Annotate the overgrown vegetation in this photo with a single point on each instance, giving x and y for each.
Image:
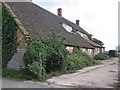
(78, 60)
(18, 74)
(9, 28)
(97, 41)
(49, 55)
(101, 56)
(0, 37)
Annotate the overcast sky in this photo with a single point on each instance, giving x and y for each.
(98, 17)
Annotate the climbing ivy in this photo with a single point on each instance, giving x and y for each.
(9, 28)
(0, 36)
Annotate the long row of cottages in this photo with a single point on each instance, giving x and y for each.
(34, 21)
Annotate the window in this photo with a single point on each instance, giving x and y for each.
(67, 27)
(79, 33)
(83, 35)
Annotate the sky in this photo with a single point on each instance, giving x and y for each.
(98, 17)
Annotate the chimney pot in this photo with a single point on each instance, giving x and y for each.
(59, 12)
(77, 22)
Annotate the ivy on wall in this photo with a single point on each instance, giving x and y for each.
(0, 35)
(9, 28)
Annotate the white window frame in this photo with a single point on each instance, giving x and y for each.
(67, 27)
(83, 35)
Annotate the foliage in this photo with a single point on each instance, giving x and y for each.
(31, 59)
(101, 56)
(90, 36)
(112, 53)
(19, 74)
(78, 60)
(37, 70)
(97, 41)
(53, 55)
(9, 28)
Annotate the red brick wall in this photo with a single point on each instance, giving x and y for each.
(20, 36)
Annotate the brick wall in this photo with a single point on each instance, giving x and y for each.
(20, 36)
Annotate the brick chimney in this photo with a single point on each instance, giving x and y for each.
(59, 12)
(77, 22)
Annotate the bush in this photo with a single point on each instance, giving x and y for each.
(56, 53)
(112, 53)
(32, 61)
(101, 56)
(78, 60)
(53, 55)
(37, 70)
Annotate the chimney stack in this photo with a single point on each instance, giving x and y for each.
(59, 12)
(77, 22)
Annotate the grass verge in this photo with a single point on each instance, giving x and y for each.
(17, 74)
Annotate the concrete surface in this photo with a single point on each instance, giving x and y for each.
(13, 83)
(100, 76)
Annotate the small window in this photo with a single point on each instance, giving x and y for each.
(67, 27)
(83, 35)
(79, 33)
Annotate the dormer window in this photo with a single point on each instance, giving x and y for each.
(67, 27)
(79, 33)
(83, 35)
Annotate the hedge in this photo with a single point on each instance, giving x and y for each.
(101, 56)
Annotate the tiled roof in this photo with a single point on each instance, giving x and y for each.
(38, 21)
(94, 44)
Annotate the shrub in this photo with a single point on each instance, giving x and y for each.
(101, 56)
(32, 61)
(53, 55)
(112, 53)
(78, 60)
(56, 53)
(37, 70)
(31, 54)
